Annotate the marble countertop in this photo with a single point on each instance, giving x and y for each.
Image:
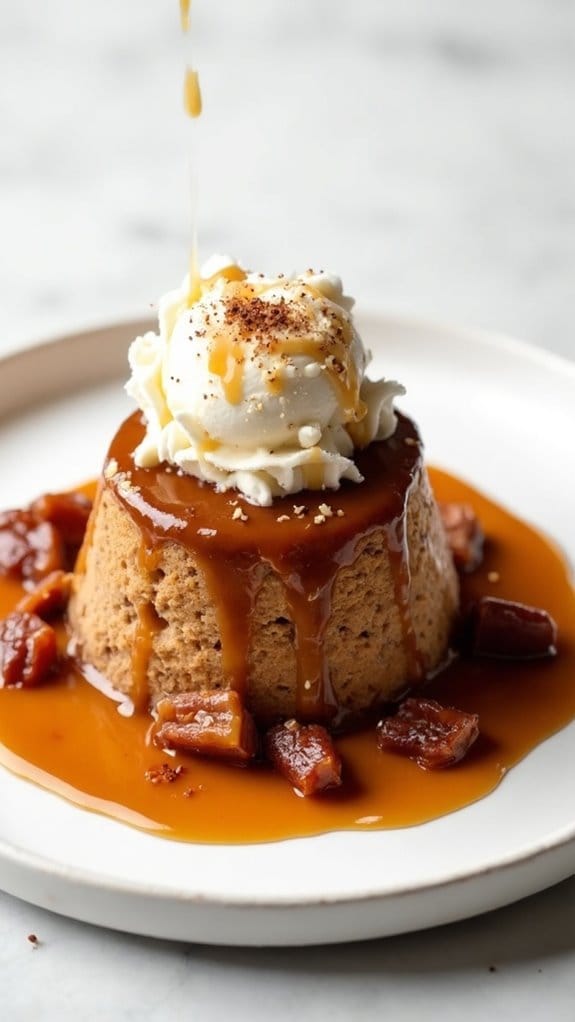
(425, 152)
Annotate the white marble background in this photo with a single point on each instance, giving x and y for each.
(424, 149)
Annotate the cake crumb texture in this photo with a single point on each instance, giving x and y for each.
(364, 642)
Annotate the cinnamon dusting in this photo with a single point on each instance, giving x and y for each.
(255, 318)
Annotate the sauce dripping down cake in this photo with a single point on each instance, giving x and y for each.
(306, 612)
(267, 524)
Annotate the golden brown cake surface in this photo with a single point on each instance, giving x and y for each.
(322, 605)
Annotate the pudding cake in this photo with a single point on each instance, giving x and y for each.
(264, 522)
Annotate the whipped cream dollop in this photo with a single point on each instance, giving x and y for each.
(258, 384)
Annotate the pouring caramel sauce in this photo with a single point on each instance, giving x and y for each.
(192, 101)
(192, 93)
(69, 738)
(185, 15)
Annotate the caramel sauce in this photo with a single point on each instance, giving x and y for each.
(192, 99)
(313, 469)
(93, 493)
(226, 361)
(398, 553)
(207, 444)
(185, 15)
(192, 93)
(232, 273)
(227, 354)
(70, 739)
(232, 552)
(342, 370)
(148, 625)
(198, 285)
(194, 279)
(340, 366)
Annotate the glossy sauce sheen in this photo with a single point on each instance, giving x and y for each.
(70, 739)
(306, 556)
(192, 93)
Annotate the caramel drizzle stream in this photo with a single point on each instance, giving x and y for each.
(198, 286)
(192, 99)
(398, 552)
(226, 361)
(313, 469)
(233, 588)
(81, 560)
(192, 93)
(340, 367)
(185, 15)
(309, 602)
(309, 599)
(148, 624)
(342, 371)
(227, 356)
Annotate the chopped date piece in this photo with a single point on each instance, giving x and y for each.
(41, 539)
(501, 628)
(464, 535)
(50, 596)
(14, 548)
(28, 650)
(433, 735)
(29, 549)
(207, 723)
(68, 512)
(305, 755)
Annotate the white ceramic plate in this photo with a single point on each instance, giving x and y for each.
(493, 410)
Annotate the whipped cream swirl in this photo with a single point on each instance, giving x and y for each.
(259, 384)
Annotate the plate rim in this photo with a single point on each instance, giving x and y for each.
(556, 842)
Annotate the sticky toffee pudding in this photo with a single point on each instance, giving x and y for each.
(322, 606)
(266, 597)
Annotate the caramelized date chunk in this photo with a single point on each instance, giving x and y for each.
(29, 549)
(14, 548)
(41, 539)
(501, 628)
(305, 755)
(464, 535)
(207, 723)
(433, 735)
(50, 596)
(28, 650)
(68, 512)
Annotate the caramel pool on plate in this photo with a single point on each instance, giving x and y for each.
(69, 738)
